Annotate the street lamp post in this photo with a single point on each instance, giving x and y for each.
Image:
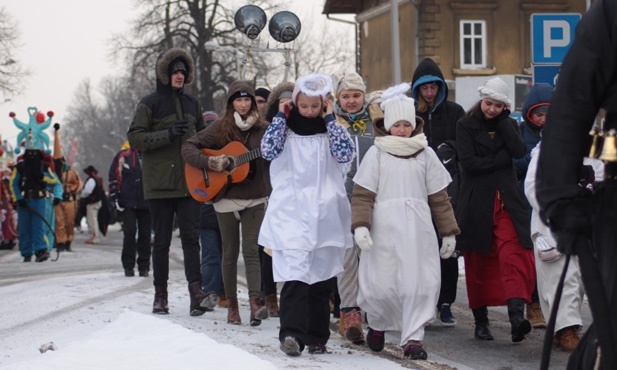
(110, 149)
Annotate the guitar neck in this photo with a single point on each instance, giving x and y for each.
(248, 156)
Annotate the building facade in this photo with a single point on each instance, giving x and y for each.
(465, 37)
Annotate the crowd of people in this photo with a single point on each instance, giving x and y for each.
(366, 197)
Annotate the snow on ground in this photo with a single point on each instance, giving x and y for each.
(99, 319)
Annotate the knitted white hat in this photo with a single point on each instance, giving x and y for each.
(495, 89)
(398, 107)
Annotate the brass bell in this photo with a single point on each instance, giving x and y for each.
(609, 148)
(596, 143)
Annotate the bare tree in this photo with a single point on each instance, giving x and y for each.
(12, 74)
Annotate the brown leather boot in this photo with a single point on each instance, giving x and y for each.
(272, 305)
(160, 300)
(535, 317)
(233, 315)
(350, 326)
(200, 304)
(568, 338)
(258, 312)
(222, 301)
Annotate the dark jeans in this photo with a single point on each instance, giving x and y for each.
(211, 257)
(136, 221)
(268, 286)
(305, 312)
(187, 211)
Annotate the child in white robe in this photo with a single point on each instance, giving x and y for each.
(399, 187)
(307, 224)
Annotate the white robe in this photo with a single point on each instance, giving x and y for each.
(548, 273)
(308, 219)
(399, 277)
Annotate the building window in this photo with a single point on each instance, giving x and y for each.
(473, 44)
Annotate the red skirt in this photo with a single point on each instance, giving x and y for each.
(507, 271)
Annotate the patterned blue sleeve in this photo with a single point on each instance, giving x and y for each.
(273, 141)
(341, 146)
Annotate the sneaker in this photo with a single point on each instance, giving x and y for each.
(444, 314)
(129, 272)
(375, 339)
(317, 349)
(210, 301)
(28, 258)
(415, 351)
(42, 255)
(290, 346)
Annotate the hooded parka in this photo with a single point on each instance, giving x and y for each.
(163, 168)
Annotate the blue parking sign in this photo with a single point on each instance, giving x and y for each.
(551, 36)
(546, 74)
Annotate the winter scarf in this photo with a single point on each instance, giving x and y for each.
(401, 146)
(357, 121)
(245, 124)
(305, 126)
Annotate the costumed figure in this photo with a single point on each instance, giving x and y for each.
(8, 220)
(32, 185)
(35, 127)
(66, 210)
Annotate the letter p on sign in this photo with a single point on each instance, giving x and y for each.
(551, 36)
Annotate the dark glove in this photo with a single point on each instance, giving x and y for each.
(22, 203)
(56, 126)
(570, 222)
(57, 201)
(179, 128)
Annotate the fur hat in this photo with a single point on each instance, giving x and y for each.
(314, 84)
(495, 89)
(397, 106)
(169, 60)
(347, 80)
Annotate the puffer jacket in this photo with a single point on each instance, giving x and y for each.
(439, 121)
(163, 168)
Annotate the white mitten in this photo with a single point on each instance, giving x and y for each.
(448, 243)
(363, 238)
(218, 163)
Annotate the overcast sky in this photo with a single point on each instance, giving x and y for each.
(64, 42)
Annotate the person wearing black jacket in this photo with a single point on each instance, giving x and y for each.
(493, 213)
(163, 121)
(584, 223)
(127, 192)
(430, 91)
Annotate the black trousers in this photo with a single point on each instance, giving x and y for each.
(136, 221)
(449, 280)
(268, 286)
(305, 312)
(163, 211)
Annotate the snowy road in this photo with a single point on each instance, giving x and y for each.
(84, 297)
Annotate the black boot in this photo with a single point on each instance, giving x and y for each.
(481, 331)
(160, 300)
(60, 247)
(200, 304)
(520, 325)
(67, 246)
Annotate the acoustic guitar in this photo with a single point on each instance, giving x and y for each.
(204, 184)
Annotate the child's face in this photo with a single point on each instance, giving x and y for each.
(538, 118)
(401, 128)
(491, 108)
(309, 106)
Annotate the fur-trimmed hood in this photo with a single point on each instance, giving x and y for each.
(165, 60)
(273, 100)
